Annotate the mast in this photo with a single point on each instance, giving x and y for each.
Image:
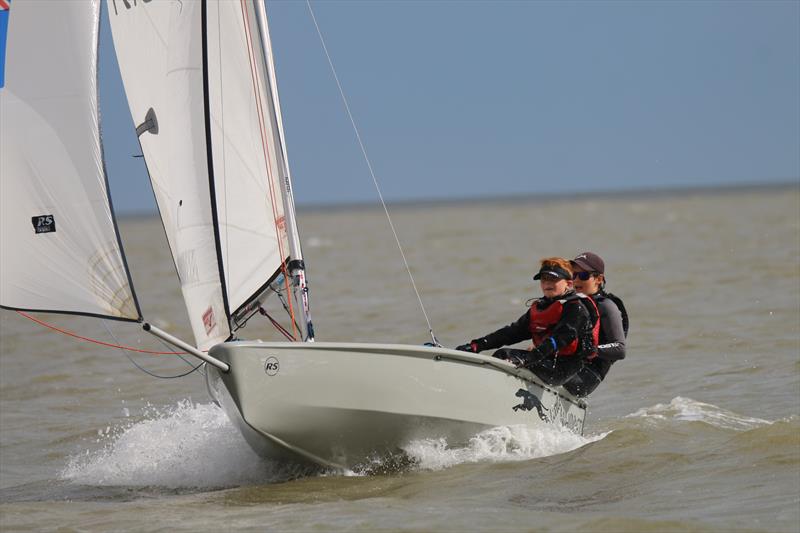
(296, 263)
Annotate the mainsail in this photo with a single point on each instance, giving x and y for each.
(59, 245)
(202, 95)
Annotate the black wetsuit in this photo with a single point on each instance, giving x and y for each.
(577, 319)
(611, 348)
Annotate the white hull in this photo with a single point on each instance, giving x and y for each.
(339, 404)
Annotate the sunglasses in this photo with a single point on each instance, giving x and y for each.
(583, 276)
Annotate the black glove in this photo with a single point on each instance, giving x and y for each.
(517, 358)
(545, 349)
(474, 346)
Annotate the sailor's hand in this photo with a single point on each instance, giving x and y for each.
(470, 347)
(518, 361)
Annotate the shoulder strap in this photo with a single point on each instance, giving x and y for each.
(588, 303)
(621, 306)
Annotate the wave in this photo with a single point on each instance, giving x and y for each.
(186, 445)
(195, 446)
(498, 444)
(686, 409)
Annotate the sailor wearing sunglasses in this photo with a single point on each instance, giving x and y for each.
(562, 324)
(589, 278)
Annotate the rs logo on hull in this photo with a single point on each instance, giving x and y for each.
(271, 366)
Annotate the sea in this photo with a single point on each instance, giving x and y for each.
(698, 429)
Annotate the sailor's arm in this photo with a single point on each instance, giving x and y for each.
(510, 334)
(612, 335)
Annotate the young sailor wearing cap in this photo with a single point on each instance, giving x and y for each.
(563, 325)
(589, 279)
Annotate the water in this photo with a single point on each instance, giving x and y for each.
(698, 430)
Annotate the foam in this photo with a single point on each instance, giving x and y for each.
(498, 444)
(195, 446)
(688, 410)
(187, 445)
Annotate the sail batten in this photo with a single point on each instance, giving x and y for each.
(60, 249)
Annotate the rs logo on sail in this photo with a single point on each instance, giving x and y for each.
(44, 223)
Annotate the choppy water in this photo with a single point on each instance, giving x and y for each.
(698, 430)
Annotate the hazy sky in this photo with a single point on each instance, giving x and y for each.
(471, 99)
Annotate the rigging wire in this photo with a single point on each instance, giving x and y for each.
(277, 325)
(118, 346)
(256, 83)
(148, 372)
(94, 341)
(285, 306)
(372, 173)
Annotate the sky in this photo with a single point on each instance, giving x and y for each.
(475, 99)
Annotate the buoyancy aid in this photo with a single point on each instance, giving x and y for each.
(621, 306)
(543, 320)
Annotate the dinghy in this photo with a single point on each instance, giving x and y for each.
(201, 87)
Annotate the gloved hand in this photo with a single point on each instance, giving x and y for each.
(474, 346)
(545, 349)
(517, 358)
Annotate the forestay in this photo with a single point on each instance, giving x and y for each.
(199, 91)
(59, 246)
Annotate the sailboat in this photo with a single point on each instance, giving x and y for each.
(201, 86)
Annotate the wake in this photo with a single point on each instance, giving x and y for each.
(192, 445)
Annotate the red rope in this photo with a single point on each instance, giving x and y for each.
(95, 341)
(277, 325)
(260, 111)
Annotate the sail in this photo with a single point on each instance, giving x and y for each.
(195, 80)
(249, 165)
(59, 246)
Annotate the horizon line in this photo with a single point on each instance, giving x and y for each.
(632, 192)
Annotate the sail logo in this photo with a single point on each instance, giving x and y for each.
(43, 223)
(209, 322)
(5, 5)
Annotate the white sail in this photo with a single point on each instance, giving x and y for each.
(248, 158)
(198, 90)
(59, 245)
(159, 49)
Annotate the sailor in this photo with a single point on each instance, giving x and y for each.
(589, 279)
(563, 325)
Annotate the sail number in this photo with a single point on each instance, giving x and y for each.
(44, 223)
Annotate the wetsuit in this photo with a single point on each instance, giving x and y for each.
(549, 360)
(613, 331)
